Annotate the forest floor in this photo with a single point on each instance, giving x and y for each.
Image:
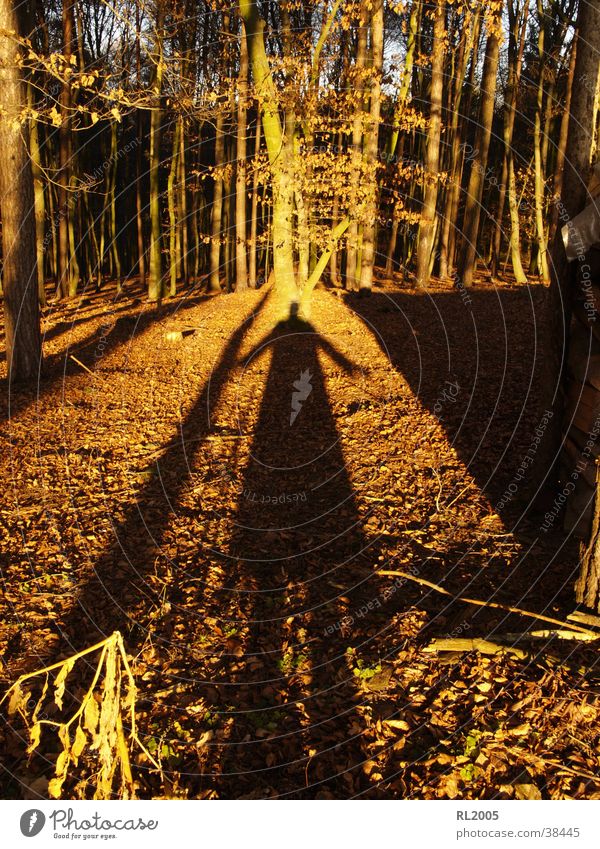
(226, 489)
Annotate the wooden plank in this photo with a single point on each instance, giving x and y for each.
(584, 618)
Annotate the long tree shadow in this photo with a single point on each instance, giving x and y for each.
(118, 594)
(299, 591)
(91, 350)
(476, 361)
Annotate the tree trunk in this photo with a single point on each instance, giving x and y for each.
(561, 148)
(432, 161)
(278, 153)
(217, 206)
(409, 59)
(139, 206)
(183, 206)
(537, 152)
(40, 206)
(254, 211)
(369, 236)
(516, 45)
(155, 281)
(580, 150)
(453, 186)
(482, 144)
(357, 139)
(17, 208)
(172, 208)
(65, 153)
(114, 246)
(241, 261)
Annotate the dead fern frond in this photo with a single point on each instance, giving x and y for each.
(96, 727)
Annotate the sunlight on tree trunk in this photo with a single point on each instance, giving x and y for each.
(17, 208)
(432, 162)
(482, 143)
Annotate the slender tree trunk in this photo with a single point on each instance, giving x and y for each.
(40, 206)
(65, 153)
(217, 206)
(17, 208)
(453, 186)
(139, 206)
(241, 260)
(352, 268)
(172, 208)
(71, 216)
(578, 160)
(155, 281)
(369, 236)
(482, 144)
(561, 148)
(52, 214)
(537, 151)
(114, 246)
(517, 34)
(432, 162)
(409, 59)
(278, 152)
(183, 205)
(254, 211)
(467, 99)
(515, 226)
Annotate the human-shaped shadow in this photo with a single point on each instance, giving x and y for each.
(300, 564)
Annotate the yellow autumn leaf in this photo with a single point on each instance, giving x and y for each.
(78, 744)
(55, 116)
(34, 738)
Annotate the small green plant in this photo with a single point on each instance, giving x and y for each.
(365, 671)
(471, 771)
(290, 662)
(268, 719)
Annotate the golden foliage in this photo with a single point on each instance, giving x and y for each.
(95, 728)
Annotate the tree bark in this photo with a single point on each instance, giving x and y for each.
(40, 206)
(352, 265)
(482, 144)
(254, 211)
(432, 161)
(369, 235)
(241, 260)
(516, 45)
(65, 155)
(155, 281)
(17, 209)
(278, 151)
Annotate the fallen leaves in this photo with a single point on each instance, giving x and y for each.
(118, 511)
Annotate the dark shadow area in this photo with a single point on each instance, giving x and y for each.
(298, 562)
(475, 360)
(284, 579)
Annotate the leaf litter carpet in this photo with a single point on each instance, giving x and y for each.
(225, 488)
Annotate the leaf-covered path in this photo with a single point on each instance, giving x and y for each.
(225, 488)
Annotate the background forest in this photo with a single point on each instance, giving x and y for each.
(152, 158)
